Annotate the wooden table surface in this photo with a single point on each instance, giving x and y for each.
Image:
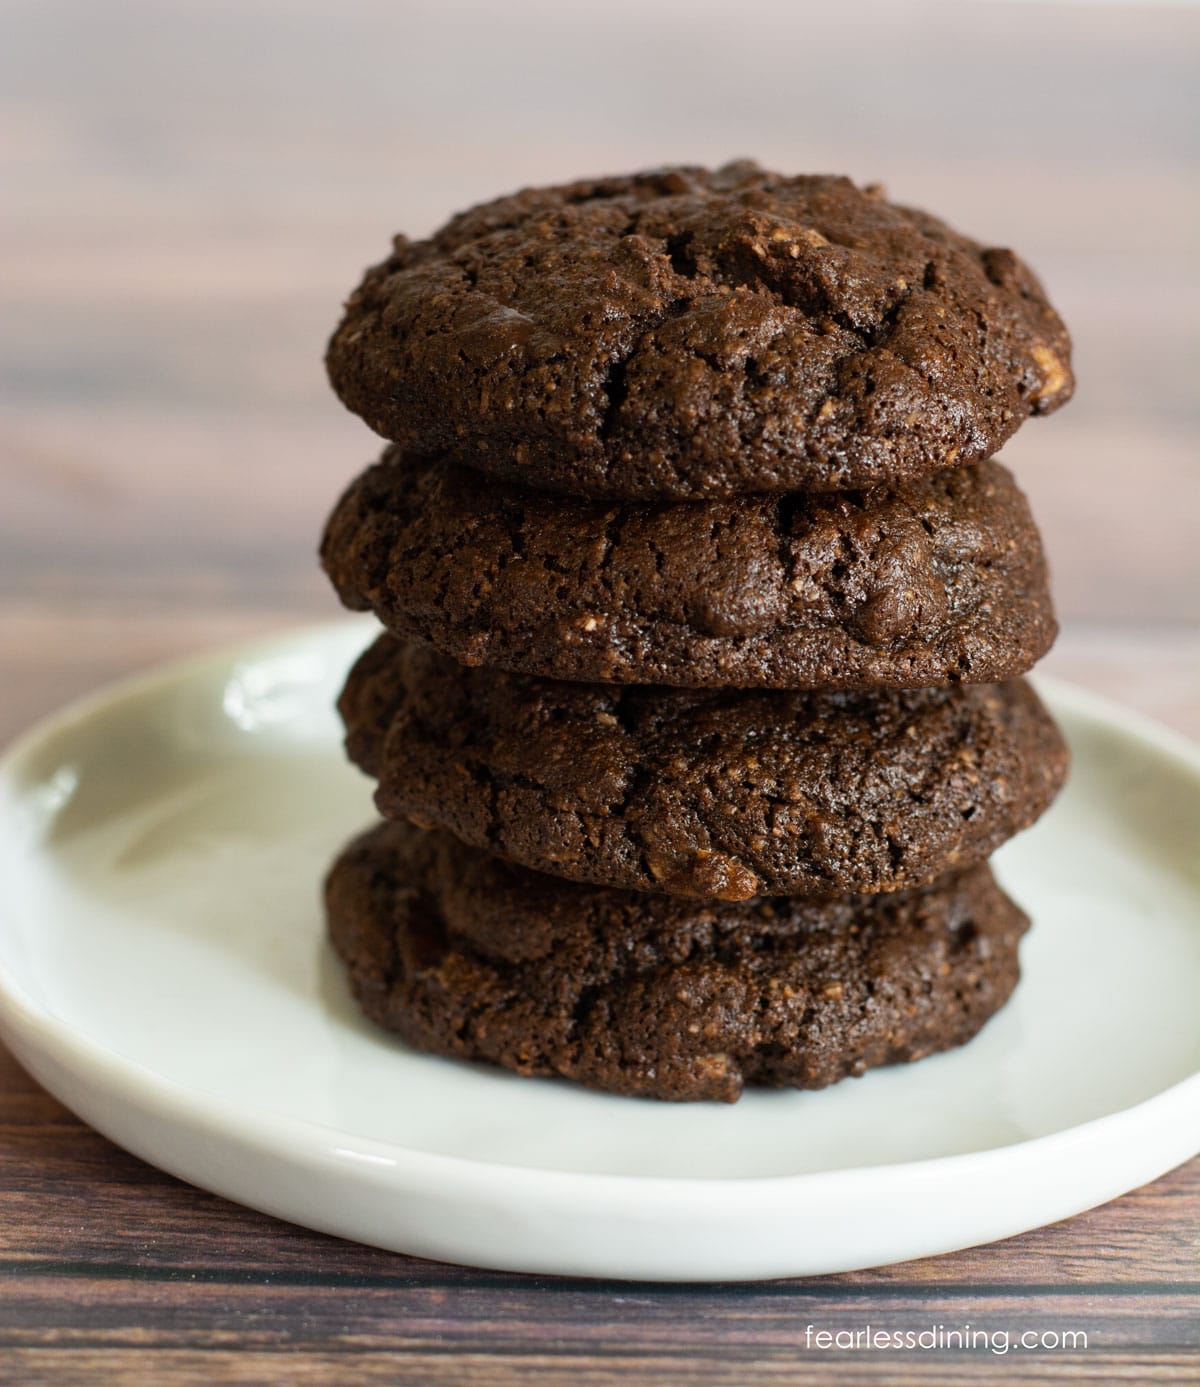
(190, 189)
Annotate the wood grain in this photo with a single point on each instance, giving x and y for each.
(107, 1262)
(189, 192)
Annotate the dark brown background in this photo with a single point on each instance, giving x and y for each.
(189, 191)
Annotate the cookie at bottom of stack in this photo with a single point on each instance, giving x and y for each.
(659, 996)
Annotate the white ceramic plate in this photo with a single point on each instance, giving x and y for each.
(163, 972)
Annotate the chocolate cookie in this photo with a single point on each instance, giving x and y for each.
(934, 583)
(702, 792)
(686, 333)
(655, 995)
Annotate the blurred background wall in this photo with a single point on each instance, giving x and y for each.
(190, 189)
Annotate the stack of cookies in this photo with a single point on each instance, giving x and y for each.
(698, 710)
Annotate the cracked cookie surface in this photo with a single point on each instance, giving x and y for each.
(728, 794)
(659, 996)
(682, 332)
(934, 583)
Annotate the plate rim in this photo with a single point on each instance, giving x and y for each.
(30, 1028)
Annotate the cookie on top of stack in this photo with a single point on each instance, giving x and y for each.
(698, 709)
